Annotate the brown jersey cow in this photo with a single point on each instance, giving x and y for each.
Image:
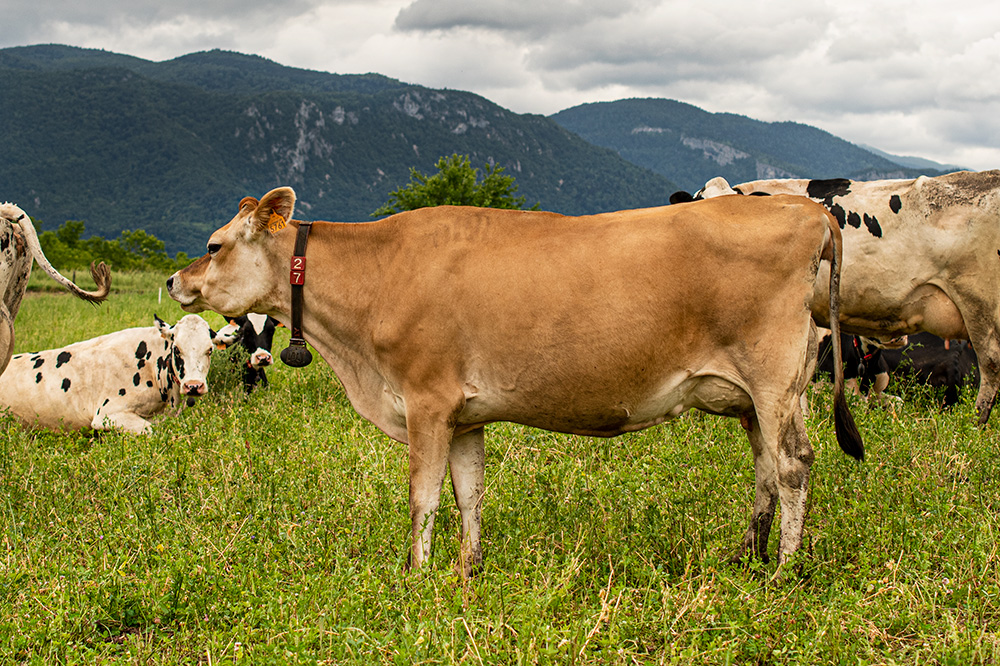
(442, 320)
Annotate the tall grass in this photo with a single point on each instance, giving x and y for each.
(273, 529)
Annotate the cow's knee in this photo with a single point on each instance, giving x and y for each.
(428, 466)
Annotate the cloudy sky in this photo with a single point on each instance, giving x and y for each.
(913, 78)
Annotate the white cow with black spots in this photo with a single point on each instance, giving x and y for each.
(18, 248)
(117, 380)
(920, 254)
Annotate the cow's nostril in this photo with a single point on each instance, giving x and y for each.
(194, 388)
(170, 283)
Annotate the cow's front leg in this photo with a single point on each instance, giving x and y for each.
(127, 421)
(765, 494)
(467, 461)
(430, 435)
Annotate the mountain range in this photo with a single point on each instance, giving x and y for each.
(171, 147)
(690, 146)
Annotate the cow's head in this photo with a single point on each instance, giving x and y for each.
(189, 345)
(717, 187)
(258, 336)
(256, 333)
(239, 271)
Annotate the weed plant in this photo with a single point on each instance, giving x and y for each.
(273, 529)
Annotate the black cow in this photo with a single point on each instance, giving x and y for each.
(866, 369)
(947, 364)
(256, 334)
(925, 358)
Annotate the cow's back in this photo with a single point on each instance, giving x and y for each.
(919, 254)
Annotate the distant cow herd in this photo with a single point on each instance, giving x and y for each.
(443, 320)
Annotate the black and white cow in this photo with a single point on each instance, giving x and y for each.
(117, 380)
(920, 254)
(256, 334)
(866, 368)
(923, 358)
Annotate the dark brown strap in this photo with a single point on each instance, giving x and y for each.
(296, 354)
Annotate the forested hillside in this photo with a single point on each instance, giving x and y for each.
(123, 143)
(689, 145)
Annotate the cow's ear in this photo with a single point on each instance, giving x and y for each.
(165, 329)
(273, 211)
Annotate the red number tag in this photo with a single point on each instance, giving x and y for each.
(298, 273)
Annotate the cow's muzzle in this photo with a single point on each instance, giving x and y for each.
(261, 359)
(194, 388)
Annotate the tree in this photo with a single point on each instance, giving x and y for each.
(63, 247)
(456, 183)
(132, 250)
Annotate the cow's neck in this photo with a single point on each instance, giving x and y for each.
(345, 271)
(343, 274)
(166, 379)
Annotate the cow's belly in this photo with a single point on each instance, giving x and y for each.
(879, 309)
(609, 414)
(52, 413)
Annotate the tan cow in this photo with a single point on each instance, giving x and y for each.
(442, 320)
(18, 247)
(919, 255)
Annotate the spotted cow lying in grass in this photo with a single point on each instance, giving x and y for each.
(117, 380)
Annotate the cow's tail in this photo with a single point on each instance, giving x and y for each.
(848, 435)
(101, 273)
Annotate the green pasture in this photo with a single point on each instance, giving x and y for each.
(274, 530)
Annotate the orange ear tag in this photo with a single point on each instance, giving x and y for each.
(276, 223)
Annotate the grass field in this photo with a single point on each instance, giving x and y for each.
(273, 529)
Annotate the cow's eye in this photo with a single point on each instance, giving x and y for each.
(214, 247)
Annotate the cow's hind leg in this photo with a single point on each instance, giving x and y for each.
(6, 337)
(989, 379)
(984, 334)
(794, 458)
(430, 436)
(467, 462)
(765, 494)
(782, 459)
